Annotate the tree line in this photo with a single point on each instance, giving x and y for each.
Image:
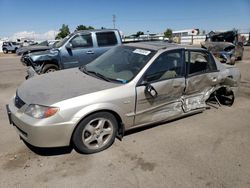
(64, 31)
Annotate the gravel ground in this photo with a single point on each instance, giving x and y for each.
(210, 149)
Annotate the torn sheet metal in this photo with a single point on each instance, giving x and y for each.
(197, 101)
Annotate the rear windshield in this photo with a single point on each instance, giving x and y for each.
(106, 39)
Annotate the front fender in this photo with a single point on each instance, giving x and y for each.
(48, 55)
(84, 112)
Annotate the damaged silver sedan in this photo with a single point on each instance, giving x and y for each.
(130, 86)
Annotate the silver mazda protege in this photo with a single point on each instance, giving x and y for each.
(129, 86)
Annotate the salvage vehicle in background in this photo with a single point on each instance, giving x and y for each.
(78, 48)
(10, 47)
(129, 86)
(45, 45)
(226, 46)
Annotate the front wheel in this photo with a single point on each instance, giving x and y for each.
(95, 133)
(49, 68)
(240, 58)
(5, 51)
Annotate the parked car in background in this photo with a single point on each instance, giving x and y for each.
(226, 46)
(129, 86)
(78, 48)
(45, 45)
(10, 47)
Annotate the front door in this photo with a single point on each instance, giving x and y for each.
(166, 82)
(81, 52)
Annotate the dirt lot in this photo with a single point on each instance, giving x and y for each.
(211, 149)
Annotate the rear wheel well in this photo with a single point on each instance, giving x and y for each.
(120, 131)
(223, 95)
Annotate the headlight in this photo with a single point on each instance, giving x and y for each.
(40, 112)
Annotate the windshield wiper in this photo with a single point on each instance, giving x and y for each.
(83, 69)
(99, 75)
(88, 72)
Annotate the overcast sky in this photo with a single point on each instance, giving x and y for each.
(47, 16)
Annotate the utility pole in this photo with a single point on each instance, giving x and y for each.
(114, 19)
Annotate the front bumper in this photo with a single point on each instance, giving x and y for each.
(49, 132)
(31, 72)
(25, 60)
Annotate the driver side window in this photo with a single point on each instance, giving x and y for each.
(82, 41)
(168, 65)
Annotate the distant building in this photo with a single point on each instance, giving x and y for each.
(186, 32)
(152, 36)
(188, 36)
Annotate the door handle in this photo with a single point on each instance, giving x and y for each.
(90, 52)
(177, 85)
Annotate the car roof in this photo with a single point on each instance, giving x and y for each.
(95, 30)
(158, 45)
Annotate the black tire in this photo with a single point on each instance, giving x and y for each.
(225, 96)
(5, 51)
(89, 137)
(49, 68)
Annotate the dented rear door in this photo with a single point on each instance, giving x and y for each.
(201, 78)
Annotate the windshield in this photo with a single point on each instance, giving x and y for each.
(62, 42)
(120, 64)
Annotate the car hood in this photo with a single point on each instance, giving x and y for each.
(44, 55)
(217, 46)
(35, 47)
(51, 88)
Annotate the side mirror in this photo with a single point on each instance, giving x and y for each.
(69, 46)
(150, 90)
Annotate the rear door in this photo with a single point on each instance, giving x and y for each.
(165, 77)
(105, 41)
(202, 76)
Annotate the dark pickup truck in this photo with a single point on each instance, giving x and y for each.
(77, 49)
(226, 46)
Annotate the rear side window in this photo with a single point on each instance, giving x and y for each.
(106, 39)
(82, 41)
(200, 62)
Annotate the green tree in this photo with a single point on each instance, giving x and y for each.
(83, 27)
(63, 32)
(139, 33)
(168, 33)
